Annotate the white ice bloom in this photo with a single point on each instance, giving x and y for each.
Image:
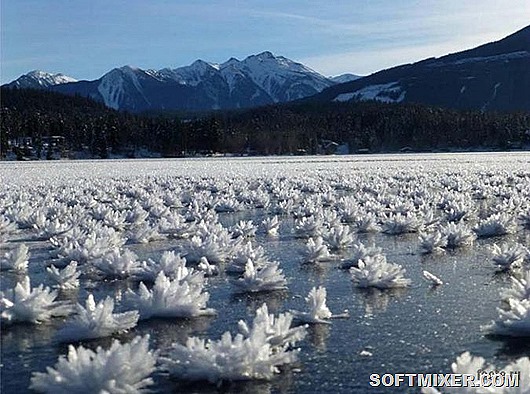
(242, 253)
(95, 244)
(520, 289)
(119, 264)
(318, 310)
(227, 204)
(271, 225)
(169, 298)
(158, 210)
(173, 265)
(377, 272)
(99, 211)
(316, 250)
(458, 211)
(245, 229)
(366, 222)
(278, 331)
(143, 233)
(360, 252)
(284, 207)
(208, 269)
(175, 226)
(20, 213)
(466, 364)
(67, 278)
(434, 242)
(38, 218)
(308, 227)
(512, 322)
(6, 227)
(227, 359)
(52, 228)
(136, 216)
(215, 248)
(339, 238)
(268, 278)
(395, 224)
(96, 321)
(16, 260)
(37, 305)
(115, 219)
(432, 279)
(509, 256)
(330, 218)
(123, 369)
(495, 225)
(458, 235)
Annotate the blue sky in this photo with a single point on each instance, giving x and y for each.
(86, 38)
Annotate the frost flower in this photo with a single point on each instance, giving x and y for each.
(16, 260)
(254, 354)
(208, 269)
(509, 256)
(96, 321)
(512, 322)
(271, 226)
(466, 364)
(397, 223)
(67, 278)
(118, 264)
(24, 304)
(432, 243)
(245, 229)
(124, 368)
(318, 311)
(339, 238)
(268, 278)
(169, 299)
(377, 272)
(520, 289)
(458, 235)
(316, 250)
(495, 225)
(360, 252)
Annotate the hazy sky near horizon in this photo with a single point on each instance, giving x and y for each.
(85, 39)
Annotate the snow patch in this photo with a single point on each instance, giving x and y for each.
(385, 93)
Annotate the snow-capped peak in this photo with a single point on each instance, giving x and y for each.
(41, 79)
(192, 74)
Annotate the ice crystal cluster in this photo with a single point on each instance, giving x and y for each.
(31, 305)
(123, 368)
(379, 273)
(254, 353)
(180, 297)
(467, 364)
(514, 313)
(96, 321)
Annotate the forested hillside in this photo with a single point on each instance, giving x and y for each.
(277, 129)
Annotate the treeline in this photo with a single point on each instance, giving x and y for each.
(276, 129)
(371, 126)
(86, 124)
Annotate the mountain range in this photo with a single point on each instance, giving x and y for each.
(257, 80)
(494, 76)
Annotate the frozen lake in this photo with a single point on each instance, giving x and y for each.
(416, 329)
